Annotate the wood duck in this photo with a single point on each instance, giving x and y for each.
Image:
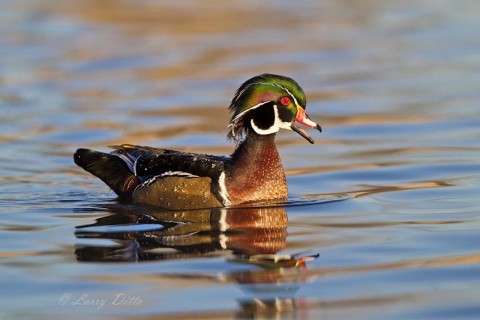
(179, 180)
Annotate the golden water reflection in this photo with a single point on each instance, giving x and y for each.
(246, 236)
(245, 231)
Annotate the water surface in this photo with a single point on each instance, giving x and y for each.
(387, 196)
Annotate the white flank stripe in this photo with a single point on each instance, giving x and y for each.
(223, 189)
(178, 173)
(148, 182)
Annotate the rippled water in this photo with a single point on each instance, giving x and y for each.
(388, 195)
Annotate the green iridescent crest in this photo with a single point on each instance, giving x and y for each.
(257, 91)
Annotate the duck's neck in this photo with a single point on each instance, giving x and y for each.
(256, 171)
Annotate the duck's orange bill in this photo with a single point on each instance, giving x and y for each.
(303, 118)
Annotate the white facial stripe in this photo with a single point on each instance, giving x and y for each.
(277, 124)
(270, 130)
(250, 109)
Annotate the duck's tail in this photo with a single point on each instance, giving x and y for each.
(110, 169)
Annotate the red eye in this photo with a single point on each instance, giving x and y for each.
(285, 101)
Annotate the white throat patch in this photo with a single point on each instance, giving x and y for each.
(277, 124)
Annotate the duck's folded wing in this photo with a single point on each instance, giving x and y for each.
(148, 162)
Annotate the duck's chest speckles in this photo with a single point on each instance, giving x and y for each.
(257, 175)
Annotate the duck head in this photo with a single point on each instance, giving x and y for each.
(266, 104)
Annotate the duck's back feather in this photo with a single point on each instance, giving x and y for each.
(110, 169)
(161, 177)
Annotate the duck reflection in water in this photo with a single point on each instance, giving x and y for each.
(248, 235)
(148, 233)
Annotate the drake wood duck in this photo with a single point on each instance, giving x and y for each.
(179, 180)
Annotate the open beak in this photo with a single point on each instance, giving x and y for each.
(303, 118)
